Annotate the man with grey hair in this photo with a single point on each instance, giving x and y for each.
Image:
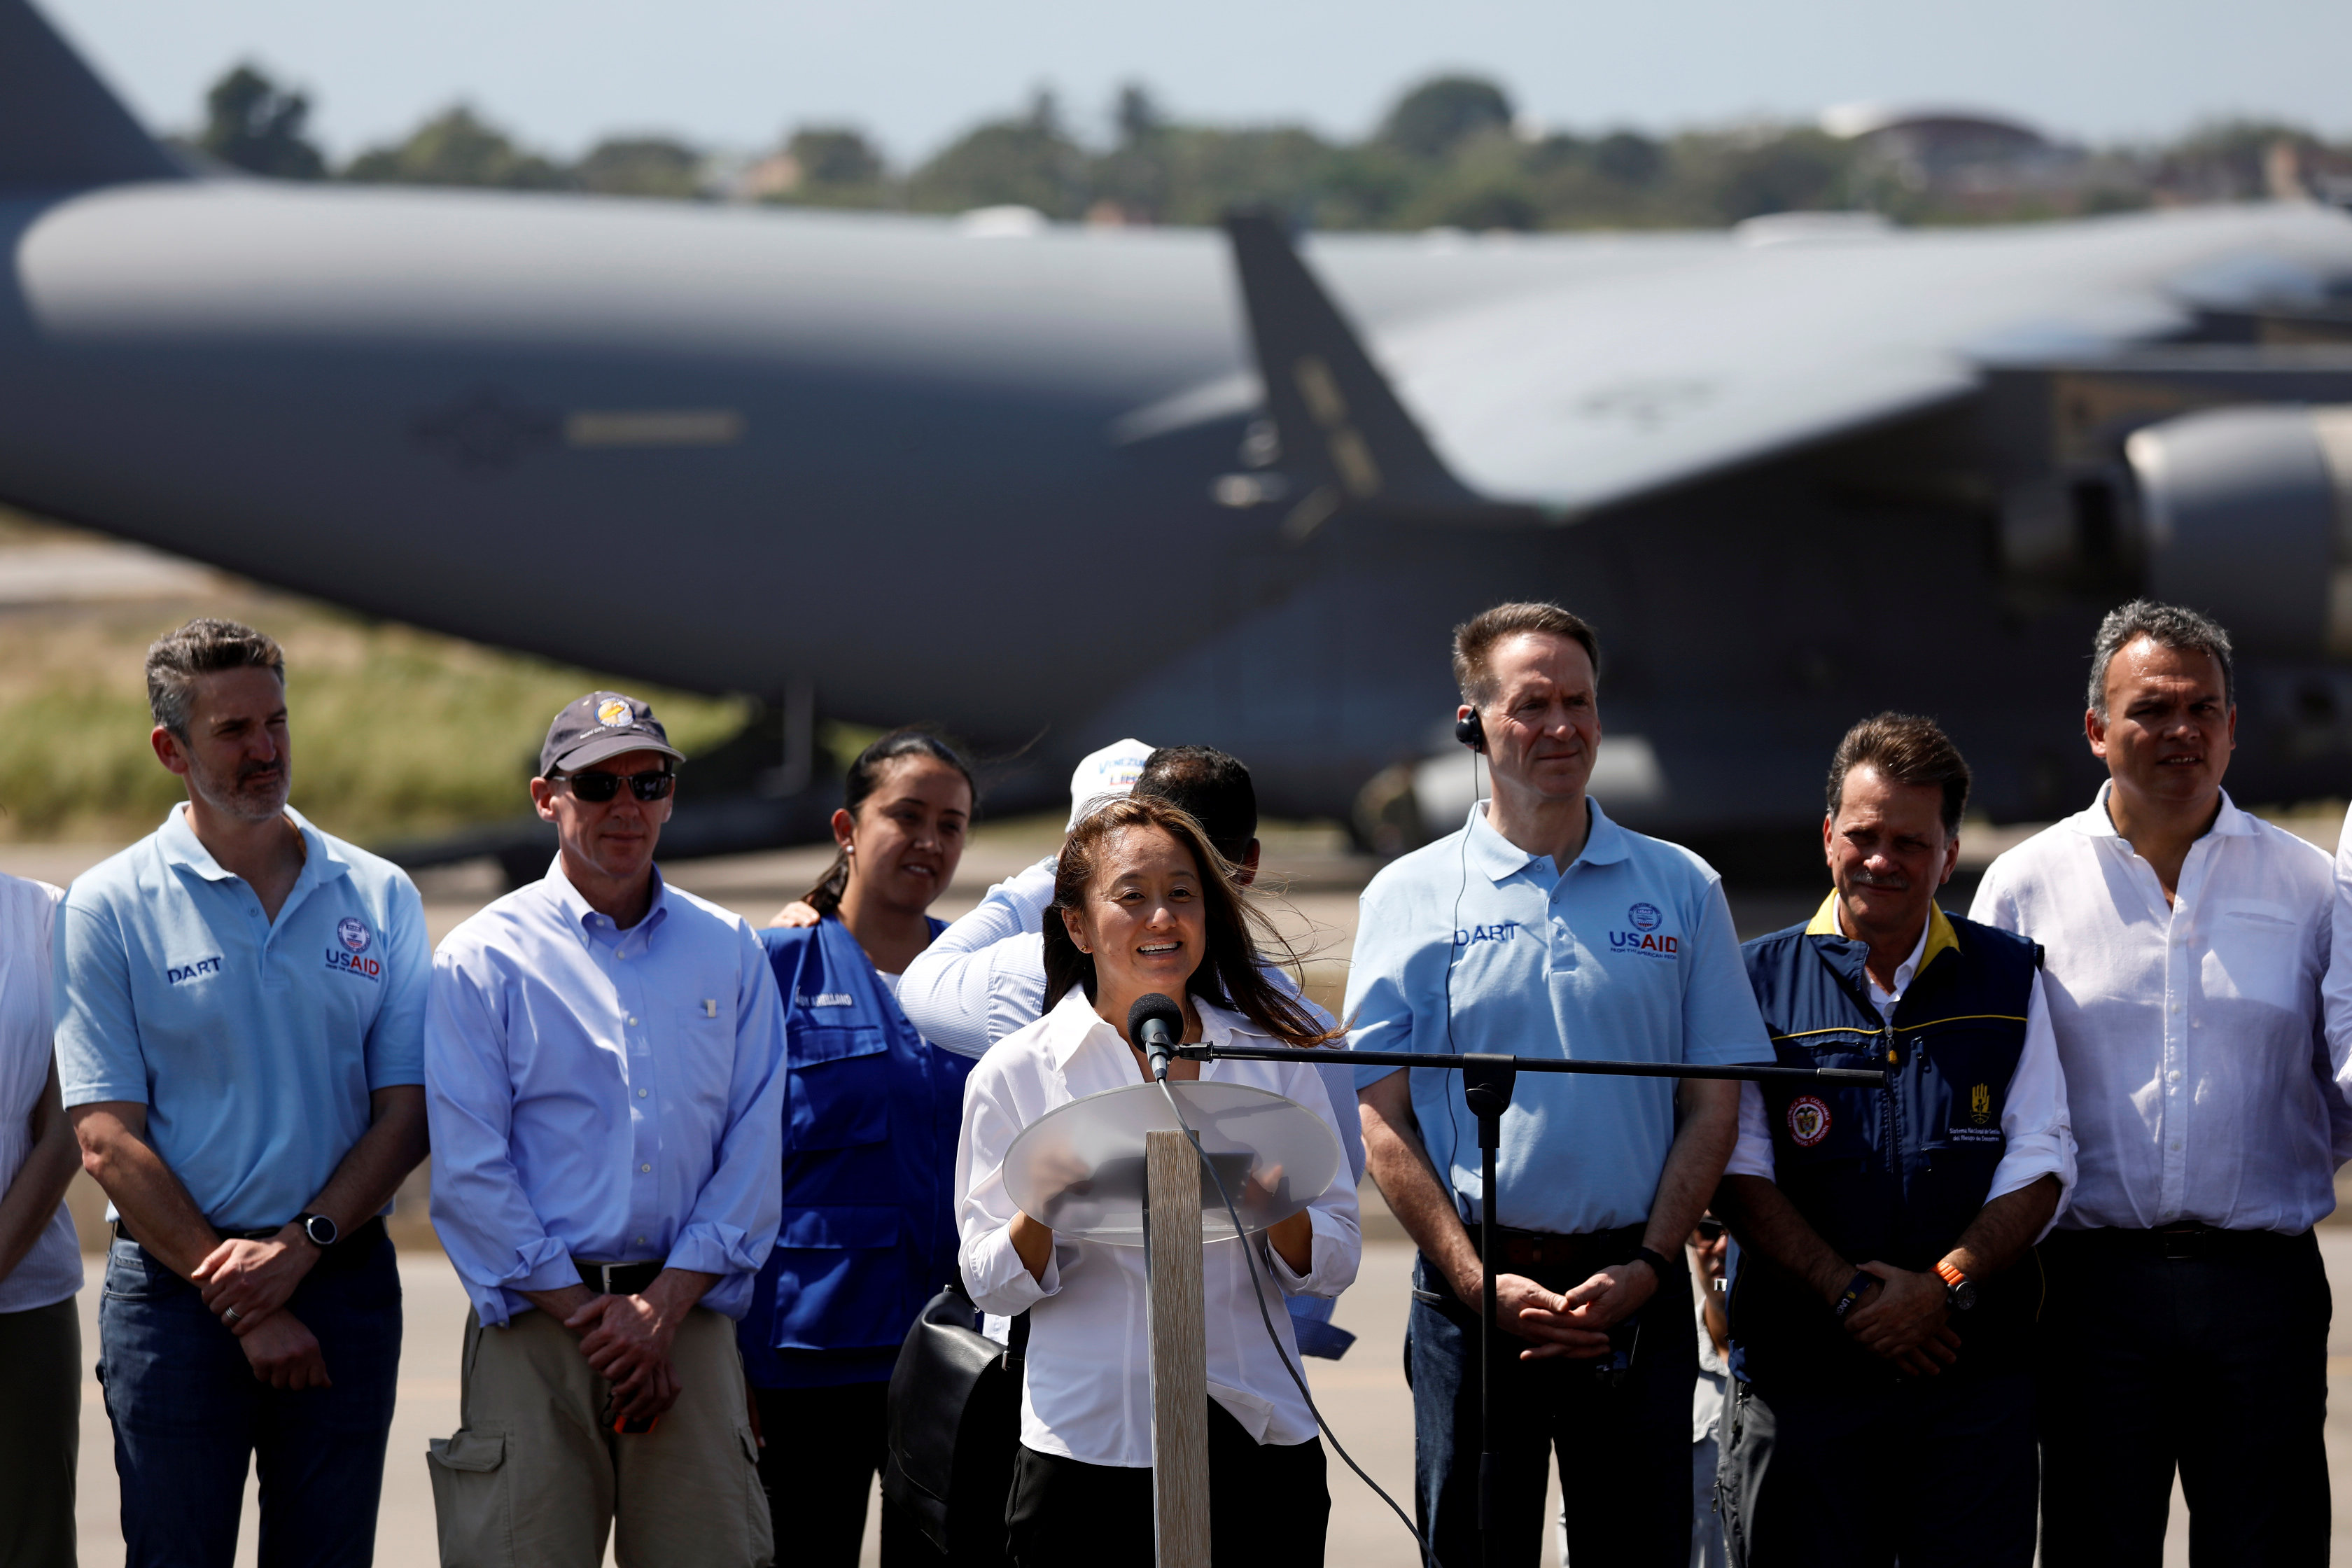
(239, 1040)
(2186, 943)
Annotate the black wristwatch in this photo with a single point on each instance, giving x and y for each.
(1657, 1261)
(321, 1230)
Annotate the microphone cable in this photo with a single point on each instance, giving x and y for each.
(1257, 1283)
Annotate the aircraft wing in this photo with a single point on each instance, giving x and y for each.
(1772, 338)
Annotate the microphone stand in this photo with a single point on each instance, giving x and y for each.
(1488, 1079)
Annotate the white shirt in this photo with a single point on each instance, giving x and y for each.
(1088, 1394)
(2197, 1069)
(2036, 1133)
(2338, 988)
(984, 976)
(51, 1271)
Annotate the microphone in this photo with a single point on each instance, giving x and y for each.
(1155, 1024)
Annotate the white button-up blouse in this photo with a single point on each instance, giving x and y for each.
(1088, 1394)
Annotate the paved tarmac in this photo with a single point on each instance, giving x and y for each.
(1363, 1397)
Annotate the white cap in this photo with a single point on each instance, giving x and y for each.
(1105, 776)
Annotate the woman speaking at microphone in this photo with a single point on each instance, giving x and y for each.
(1142, 904)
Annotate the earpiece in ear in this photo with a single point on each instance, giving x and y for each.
(1470, 733)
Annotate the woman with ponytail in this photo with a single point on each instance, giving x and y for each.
(871, 1114)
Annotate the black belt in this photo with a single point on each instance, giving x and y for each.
(349, 1249)
(2180, 1242)
(619, 1279)
(1587, 1251)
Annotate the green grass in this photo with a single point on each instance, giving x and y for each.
(396, 732)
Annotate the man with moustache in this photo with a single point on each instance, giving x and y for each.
(240, 1012)
(2185, 942)
(1545, 928)
(605, 1063)
(1885, 1298)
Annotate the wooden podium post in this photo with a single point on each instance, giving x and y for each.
(1180, 1357)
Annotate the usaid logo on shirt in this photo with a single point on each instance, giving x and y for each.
(354, 934)
(1646, 938)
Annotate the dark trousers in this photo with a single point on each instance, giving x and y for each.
(1268, 1504)
(1930, 1472)
(825, 1446)
(1624, 1449)
(40, 1434)
(188, 1415)
(2215, 1362)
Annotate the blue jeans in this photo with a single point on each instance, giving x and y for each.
(1624, 1450)
(188, 1413)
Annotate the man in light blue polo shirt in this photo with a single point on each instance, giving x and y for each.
(1543, 928)
(240, 1024)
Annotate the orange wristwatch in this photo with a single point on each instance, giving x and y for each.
(1959, 1291)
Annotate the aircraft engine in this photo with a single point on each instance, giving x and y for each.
(2246, 513)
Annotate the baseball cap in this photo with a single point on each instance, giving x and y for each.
(600, 725)
(1105, 776)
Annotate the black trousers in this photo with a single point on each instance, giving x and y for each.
(1268, 1505)
(1624, 1449)
(825, 1446)
(1932, 1472)
(2215, 1362)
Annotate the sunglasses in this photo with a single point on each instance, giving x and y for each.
(1709, 1228)
(596, 788)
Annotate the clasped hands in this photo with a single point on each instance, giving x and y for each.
(1573, 1324)
(246, 1285)
(626, 1340)
(1902, 1318)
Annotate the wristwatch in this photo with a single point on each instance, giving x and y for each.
(321, 1230)
(1863, 1281)
(1959, 1290)
(1657, 1261)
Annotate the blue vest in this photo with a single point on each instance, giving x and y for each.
(871, 1116)
(1891, 1175)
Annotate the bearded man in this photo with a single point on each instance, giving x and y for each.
(240, 1043)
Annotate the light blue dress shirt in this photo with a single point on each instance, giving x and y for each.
(606, 1095)
(1627, 955)
(254, 1044)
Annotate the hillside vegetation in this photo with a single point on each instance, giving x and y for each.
(396, 732)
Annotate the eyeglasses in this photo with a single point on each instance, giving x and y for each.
(1709, 1228)
(596, 788)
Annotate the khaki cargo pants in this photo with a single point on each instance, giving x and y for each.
(532, 1479)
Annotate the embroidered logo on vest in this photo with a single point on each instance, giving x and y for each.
(1808, 1121)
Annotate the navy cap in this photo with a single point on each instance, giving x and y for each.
(600, 725)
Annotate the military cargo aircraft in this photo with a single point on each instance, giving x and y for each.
(1047, 486)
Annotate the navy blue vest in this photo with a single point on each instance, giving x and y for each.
(1890, 1175)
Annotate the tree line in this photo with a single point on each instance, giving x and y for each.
(1452, 152)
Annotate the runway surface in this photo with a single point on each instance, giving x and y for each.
(1363, 1397)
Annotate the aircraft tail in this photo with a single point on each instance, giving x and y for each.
(59, 126)
(1340, 422)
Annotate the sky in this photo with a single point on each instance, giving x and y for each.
(737, 74)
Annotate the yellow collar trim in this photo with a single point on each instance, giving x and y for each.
(1940, 934)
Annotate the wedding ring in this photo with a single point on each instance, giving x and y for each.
(231, 1316)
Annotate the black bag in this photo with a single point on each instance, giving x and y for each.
(954, 1423)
